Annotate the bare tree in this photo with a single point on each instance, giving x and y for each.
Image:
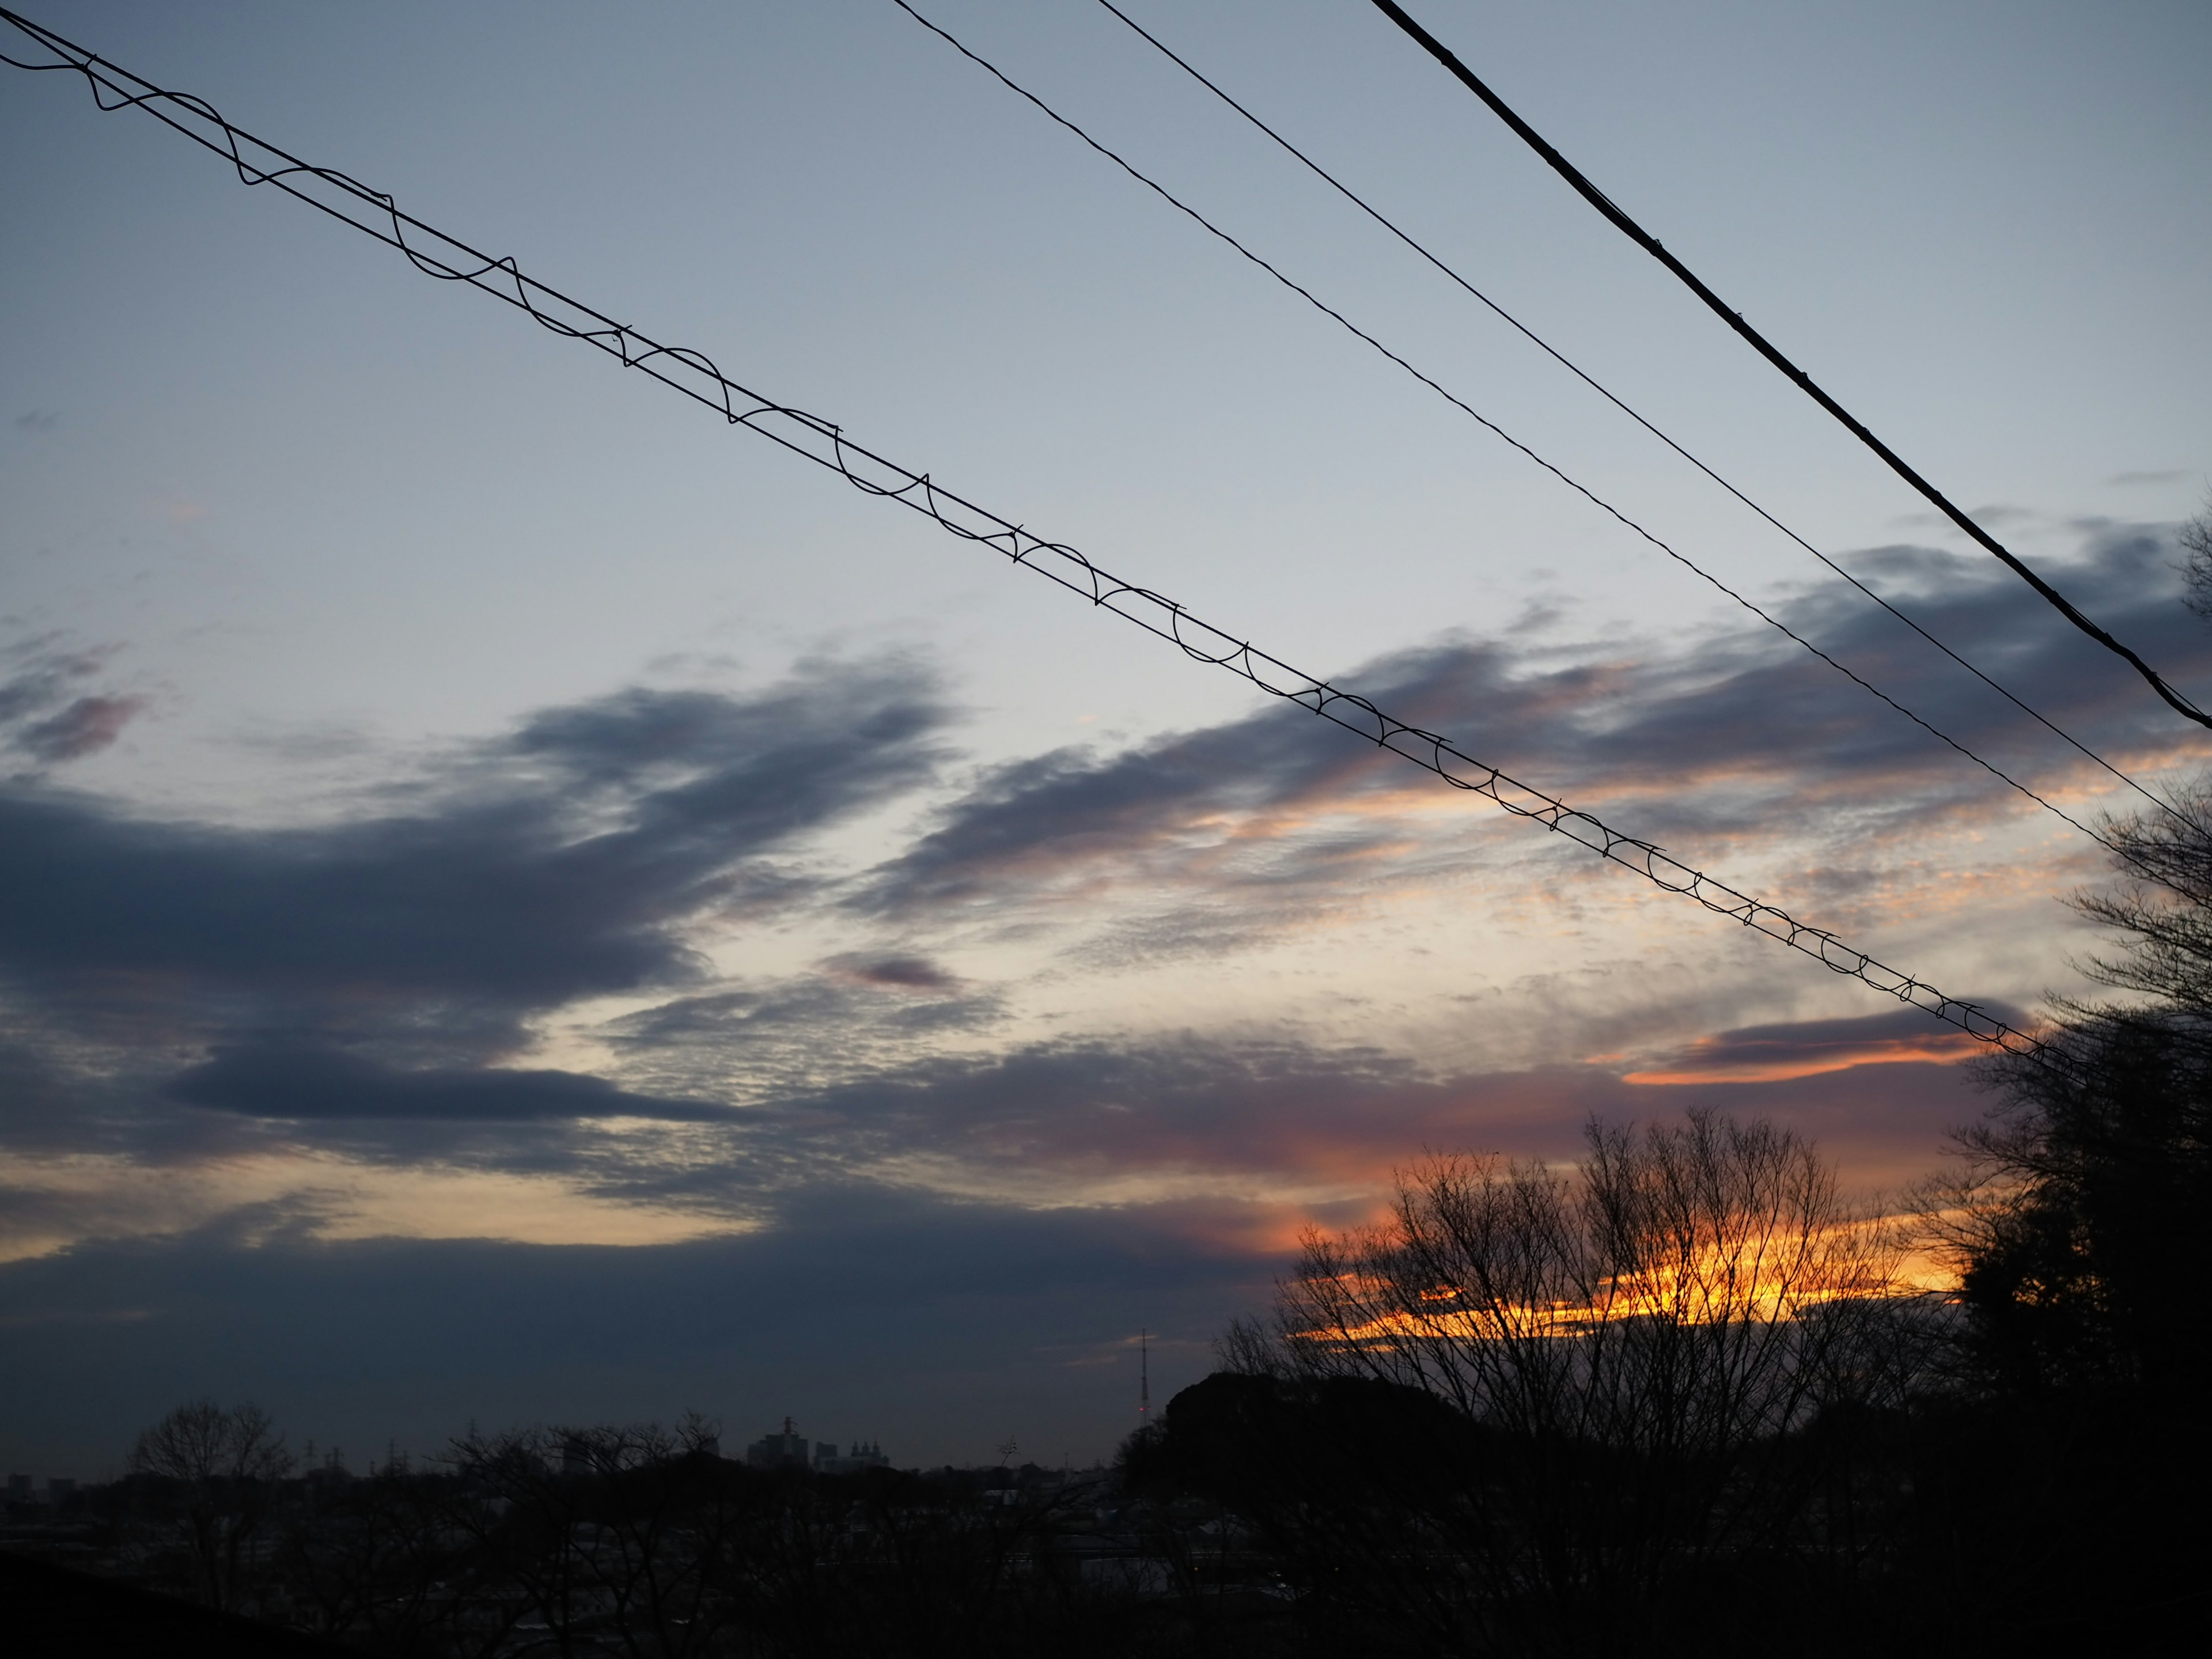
(391, 1562)
(223, 1465)
(1637, 1347)
(2078, 1218)
(2078, 1214)
(2196, 538)
(612, 1534)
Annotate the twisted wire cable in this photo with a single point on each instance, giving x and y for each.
(1613, 216)
(1605, 392)
(1467, 409)
(694, 375)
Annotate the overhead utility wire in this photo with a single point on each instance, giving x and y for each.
(693, 374)
(1651, 244)
(1467, 409)
(1580, 373)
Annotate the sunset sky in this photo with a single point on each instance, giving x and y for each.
(520, 902)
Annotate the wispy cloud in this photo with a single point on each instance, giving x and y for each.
(45, 712)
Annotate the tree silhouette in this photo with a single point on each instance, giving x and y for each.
(2064, 1483)
(1556, 1406)
(220, 1466)
(2082, 1213)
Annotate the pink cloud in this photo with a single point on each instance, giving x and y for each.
(84, 727)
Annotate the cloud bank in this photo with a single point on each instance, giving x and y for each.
(786, 971)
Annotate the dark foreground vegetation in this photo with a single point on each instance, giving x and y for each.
(1679, 1400)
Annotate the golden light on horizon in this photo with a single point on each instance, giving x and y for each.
(1712, 1286)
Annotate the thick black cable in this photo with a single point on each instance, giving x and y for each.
(1604, 391)
(1651, 244)
(693, 374)
(1467, 409)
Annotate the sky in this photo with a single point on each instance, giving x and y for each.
(524, 904)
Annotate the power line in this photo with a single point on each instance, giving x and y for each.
(1580, 373)
(1636, 232)
(693, 374)
(1467, 409)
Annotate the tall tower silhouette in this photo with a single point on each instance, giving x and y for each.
(1144, 1376)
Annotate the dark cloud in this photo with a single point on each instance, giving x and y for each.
(307, 1083)
(557, 863)
(1744, 733)
(564, 860)
(36, 1099)
(1800, 1049)
(1094, 1120)
(85, 727)
(743, 770)
(1180, 1103)
(1033, 822)
(905, 973)
(43, 712)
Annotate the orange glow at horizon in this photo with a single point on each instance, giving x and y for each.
(1716, 1291)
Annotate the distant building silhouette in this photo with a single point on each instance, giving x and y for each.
(787, 1450)
(864, 1455)
(791, 1450)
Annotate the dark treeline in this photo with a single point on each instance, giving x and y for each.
(639, 1541)
(1679, 1399)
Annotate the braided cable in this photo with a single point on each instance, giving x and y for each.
(693, 374)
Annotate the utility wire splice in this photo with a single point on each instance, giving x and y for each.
(1484, 420)
(693, 374)
(1605, 392)
(1651, 244)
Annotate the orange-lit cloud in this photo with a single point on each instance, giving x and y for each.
(1779, 1053)
(1936, 1049)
